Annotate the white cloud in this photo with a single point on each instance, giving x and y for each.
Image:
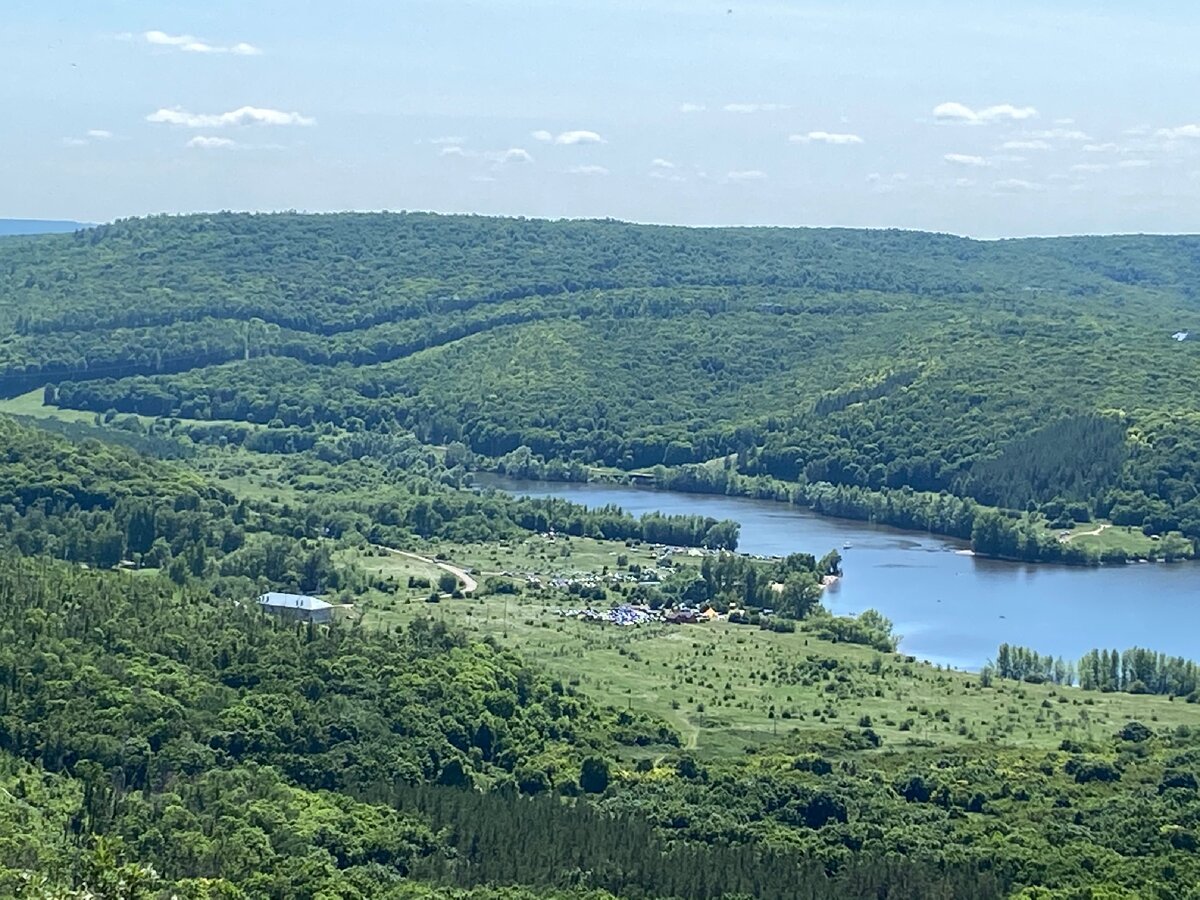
(578, 137)
(245, 115)
(189, 44)
(964, 182)
(1179, 131)
(207, 142)
(513, 154)
(1062, 134)
(754, 107)
(1089, 168)
(587, 170)
(660, 163)
(952, 111)
(498, 158)
(1133, 164)
(825, 137)
(567, 137)
(692, 107)
(1025, 145)
(167, 40)
(1107, 147)
(746, 175)
(91, 136)
(965, 159)
(445, 140)
(1017, 184)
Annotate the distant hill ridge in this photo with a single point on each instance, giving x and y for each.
(10, 227)
(1036, 371)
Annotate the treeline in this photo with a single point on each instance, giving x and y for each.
(1006, 534)
(1134, 671)
(786, 587)
(623, 854)
(1023, 664)
(1139, 671)
(873, 391)
(104, 506)
(1075, 459)
(613, 523)
(76, 356)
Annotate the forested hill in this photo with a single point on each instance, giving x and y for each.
(1014, 372)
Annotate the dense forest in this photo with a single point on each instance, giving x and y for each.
(158, 741)
(1032, 374)
(162, 737)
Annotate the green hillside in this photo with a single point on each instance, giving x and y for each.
(253, 403)
(1024, 374)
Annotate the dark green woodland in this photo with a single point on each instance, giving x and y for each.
(160, 736)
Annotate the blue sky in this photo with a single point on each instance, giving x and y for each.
(981, 119)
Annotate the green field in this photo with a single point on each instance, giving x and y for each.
(30, 404)
(728, 687)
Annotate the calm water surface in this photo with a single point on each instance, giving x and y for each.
(950, 607)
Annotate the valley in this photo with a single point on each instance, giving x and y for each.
(836, 558)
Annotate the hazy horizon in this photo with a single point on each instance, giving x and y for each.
(1076, 119)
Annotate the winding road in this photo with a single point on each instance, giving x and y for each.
(468, 583)
(1078, 534)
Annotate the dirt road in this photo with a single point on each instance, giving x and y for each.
(468, 583)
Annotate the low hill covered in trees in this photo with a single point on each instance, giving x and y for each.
(1022, 374)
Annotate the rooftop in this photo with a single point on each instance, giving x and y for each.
(292, 601)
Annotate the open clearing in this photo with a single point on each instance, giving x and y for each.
(729, 687)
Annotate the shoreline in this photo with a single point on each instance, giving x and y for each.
(604, 477)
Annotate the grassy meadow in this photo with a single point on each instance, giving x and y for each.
(727, 688)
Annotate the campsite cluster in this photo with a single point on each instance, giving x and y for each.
(626, 614)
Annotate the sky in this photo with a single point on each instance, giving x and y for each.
(983, 119)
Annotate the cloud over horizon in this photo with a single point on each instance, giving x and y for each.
(965, 159)
(189, 44)
(208, 142)
(746, 175)
(244, 115)
(825, 137)
(952, 111)
(567, 138)
(1179, 131)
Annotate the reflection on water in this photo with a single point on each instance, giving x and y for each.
(949, 606)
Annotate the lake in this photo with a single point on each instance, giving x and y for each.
(949, 607)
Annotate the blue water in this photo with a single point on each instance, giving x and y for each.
(949, 607)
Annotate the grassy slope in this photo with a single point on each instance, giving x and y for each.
(717, 684)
